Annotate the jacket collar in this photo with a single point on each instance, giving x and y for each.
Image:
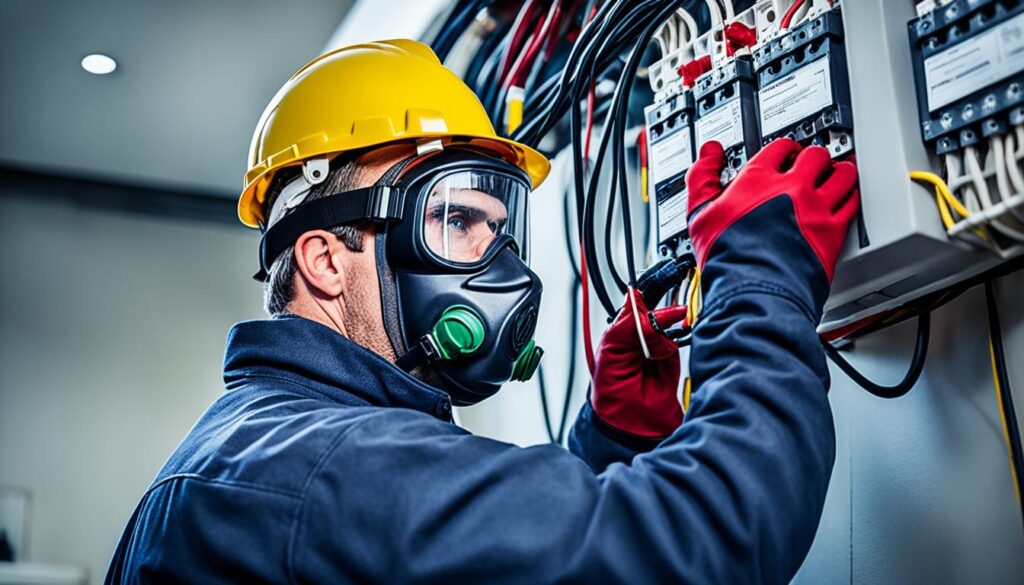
(320, 359)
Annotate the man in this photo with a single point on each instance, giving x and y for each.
(395, 242)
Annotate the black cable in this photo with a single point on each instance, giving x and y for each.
(1009, 413)
(908, 381)
(609, 256)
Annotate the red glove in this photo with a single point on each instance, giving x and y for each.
(823, 195)
(633, 393)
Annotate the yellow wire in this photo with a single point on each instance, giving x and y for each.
(687, 389)
(1002, 417)
(941, 189)
(643, 185)
(944, 214)
(693, 298)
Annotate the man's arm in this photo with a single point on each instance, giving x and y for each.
(734, 495)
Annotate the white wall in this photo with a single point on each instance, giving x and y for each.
(112, 332)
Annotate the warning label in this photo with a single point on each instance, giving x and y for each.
(974, 64)
(671, 156)
(724, 125)
(797, 96)
(671, 215)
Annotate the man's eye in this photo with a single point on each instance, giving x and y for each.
(456, 223)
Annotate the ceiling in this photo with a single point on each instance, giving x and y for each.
(193, 78)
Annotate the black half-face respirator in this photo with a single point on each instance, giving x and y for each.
(459, 301)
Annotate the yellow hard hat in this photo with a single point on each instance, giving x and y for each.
(368, 95)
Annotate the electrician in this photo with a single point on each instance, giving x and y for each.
(394, 239)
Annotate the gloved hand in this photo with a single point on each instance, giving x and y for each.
(821, 193)
(778, 228)
(632, 393)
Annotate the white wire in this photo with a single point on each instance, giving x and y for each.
(1013, 162)
(981, 187)
(801, 14)
(1006, 191)
(636, 319)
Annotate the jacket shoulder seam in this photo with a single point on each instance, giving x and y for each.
(225, 483)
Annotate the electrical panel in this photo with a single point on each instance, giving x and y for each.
(935, 89)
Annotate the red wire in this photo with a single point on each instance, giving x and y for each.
(518, 76)
(641, 145)
(521, 24)
(787, 19)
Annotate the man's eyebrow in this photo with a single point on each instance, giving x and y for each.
(459, 208)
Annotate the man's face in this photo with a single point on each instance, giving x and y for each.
(460, 224)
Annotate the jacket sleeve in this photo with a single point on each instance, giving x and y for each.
(733, 496)
(599, 444)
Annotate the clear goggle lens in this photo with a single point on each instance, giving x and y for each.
(467, 211)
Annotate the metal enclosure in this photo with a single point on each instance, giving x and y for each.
(908, 253)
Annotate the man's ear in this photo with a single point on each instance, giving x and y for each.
(319, 260)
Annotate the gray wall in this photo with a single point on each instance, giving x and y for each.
(112, 333)
(921, 491)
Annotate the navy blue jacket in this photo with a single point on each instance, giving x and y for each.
(323, 463)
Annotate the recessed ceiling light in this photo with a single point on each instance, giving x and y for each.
(99, 64)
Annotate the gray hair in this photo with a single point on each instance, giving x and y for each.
(279, 288)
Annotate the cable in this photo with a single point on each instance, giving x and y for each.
(981, 188)
(908, 381)
(1002, 163)
(787, 19)
(1004, 397)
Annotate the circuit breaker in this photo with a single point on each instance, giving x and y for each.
(669, 126)
(804, 85)
(968, 63)
(726, 102)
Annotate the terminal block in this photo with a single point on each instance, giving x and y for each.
(670, 147)
(725, 101)
(805, 86)
(969, 70)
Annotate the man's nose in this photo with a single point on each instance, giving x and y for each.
(483, 244)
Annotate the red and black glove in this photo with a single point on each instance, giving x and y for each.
(632, 393)
(781, 222)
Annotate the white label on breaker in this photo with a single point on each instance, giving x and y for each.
(724, 125)
(671, 215)
(799, 95)
(671, 156)
(968, 67)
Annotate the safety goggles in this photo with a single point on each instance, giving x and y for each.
(466, 214)
(458, 208)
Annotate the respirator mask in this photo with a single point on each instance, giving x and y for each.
(459, 301)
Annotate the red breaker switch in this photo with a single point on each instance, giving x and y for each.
(694, 69)
(738, 36)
